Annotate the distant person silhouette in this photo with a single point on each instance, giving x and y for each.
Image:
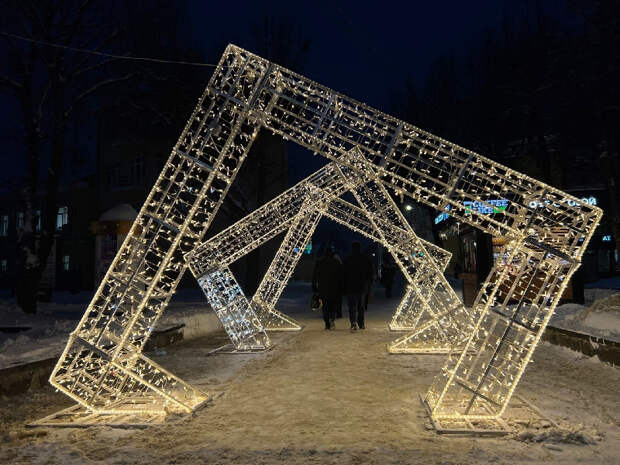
(327, 282)
(338, 303)
(358, 273)
(388, 270)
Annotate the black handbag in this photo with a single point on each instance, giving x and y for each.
(316, 304)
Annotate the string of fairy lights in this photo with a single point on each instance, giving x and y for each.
(321, 190)
(103, 368)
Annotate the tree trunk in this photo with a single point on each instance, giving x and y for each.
(27, 260)
(48, 226)
(34, 254)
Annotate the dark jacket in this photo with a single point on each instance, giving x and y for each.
(327, 278)
(358, 273)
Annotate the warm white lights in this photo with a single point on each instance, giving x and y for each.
(102, 366)
(298, 211)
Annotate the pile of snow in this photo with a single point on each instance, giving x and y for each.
(601, 319)
(51, 325)
(578, 435)
(594, 294)
(49, 330)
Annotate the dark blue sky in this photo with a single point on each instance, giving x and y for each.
(364, 51)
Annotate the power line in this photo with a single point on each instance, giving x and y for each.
(104, 54)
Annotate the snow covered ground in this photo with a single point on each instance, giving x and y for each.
(51, 326)
(329, 398)
(46, 338)
(599, 317)
(54, 321)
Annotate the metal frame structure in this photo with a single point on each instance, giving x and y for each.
(103, 367)
(317, 196)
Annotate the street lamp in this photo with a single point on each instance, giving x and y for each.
(408, 209)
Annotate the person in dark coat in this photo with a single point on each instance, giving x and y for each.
(327, 282)
(368, 290)
(388, 270)
(339, 298)
(358, 273)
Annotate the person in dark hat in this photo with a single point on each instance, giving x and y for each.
(327, 281)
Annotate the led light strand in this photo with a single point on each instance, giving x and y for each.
(102, 367)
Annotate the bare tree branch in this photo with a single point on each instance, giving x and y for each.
(42, 101)
(95, 88)
(33, 14)
(87, 57)
(16, 51)
(7, 82)
(86, 69)
(75, 27)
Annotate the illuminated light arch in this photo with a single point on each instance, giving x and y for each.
(297, 210)
(103, 368)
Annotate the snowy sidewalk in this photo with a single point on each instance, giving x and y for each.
(326, 397)
(48, 329)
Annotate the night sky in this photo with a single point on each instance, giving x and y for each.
(362, 51)
(367, 52)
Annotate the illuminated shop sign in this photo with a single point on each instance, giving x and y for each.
(487, 207)
(307, 249)
(484, 208)
(442, 216)
(607, 238)
(586, 200)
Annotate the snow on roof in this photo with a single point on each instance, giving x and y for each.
(120, 212)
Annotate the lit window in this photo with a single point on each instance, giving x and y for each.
(38, 215)
(62, 218)
(65, 262)
(4, 225)
(3, 265)
(20, 220)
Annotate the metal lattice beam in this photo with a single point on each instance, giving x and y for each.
(102, 367)
(319, 190)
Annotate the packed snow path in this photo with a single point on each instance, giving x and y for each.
(327, 397)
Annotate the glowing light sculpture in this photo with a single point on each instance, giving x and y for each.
(239, 320)
(102, 367)
(283, 265)
(290, 210)
(449, 319)
(316, 194)
(411, 309)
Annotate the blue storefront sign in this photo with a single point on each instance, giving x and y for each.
(486, 207)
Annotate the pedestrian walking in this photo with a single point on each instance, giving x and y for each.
(338, 303)
(368, 291)
(358, 277)
(327, 281)
(388, 270)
